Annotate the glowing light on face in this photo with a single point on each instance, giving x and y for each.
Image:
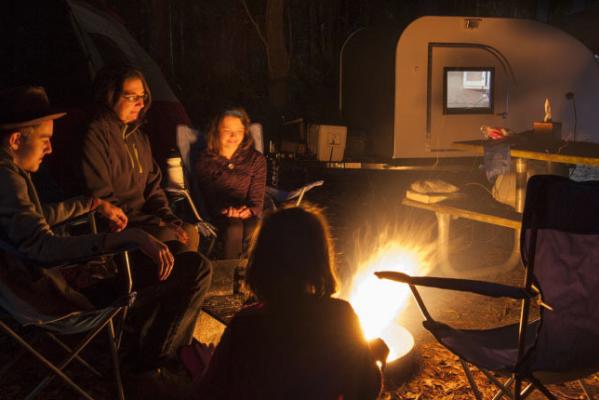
(230, 133)
(30, 150)
(132, 101)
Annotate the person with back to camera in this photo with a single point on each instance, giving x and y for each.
(231, 177)
(297, 342)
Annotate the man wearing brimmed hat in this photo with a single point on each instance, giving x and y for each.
(26, 128)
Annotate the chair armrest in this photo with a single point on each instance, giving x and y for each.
(205, 228)
(87, 217)
(282, 195)
(300, 191)
(463, 285)
(8, 248)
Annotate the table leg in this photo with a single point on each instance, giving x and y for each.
(521, 179)
(445, 265)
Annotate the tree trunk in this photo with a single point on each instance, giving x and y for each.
(278, 66)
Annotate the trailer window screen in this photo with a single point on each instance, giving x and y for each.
(468, 90)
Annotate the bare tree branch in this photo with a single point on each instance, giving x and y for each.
(258, 31)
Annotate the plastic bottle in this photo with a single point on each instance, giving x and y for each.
(272, 159)
(174, 170)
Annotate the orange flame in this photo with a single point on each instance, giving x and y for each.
(379, 302)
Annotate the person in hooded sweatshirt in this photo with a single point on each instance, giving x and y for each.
(117, 162)
(118, 167)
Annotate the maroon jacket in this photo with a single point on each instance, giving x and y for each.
(232, 183)
(311, 349)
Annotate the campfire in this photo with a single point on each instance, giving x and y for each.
(379, 303)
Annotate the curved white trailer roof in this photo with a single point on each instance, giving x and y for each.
(532, 61)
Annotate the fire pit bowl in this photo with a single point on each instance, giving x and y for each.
(401, 362)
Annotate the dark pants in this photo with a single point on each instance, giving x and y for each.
(165, 234)
(163, 317)
(236, 234)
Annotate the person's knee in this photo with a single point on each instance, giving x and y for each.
(193, 242)
(193, 270)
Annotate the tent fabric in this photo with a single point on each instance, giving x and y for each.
(106, 41)
(93, 23)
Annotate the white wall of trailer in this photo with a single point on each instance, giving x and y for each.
(532, 61)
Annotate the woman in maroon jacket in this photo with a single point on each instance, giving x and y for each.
(231, 177)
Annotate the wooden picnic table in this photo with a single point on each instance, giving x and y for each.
(564, 152)
(535, 147)
(522, 148)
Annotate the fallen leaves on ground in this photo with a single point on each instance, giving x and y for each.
(440, 376)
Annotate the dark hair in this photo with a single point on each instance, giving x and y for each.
(292, 255)
(108, 87)
(26, 132)
(213, 140)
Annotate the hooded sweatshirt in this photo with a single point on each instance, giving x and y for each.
(118, 167)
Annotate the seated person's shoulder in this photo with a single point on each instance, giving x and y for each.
(333, 303)
(99, 123)
(324, 309)
(256, 155)
(250, 312)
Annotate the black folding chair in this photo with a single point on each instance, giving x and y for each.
(17, 311)
(560, 253)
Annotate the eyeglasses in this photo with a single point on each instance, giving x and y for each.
(133, 98)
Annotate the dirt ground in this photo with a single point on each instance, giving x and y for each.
(360, 206)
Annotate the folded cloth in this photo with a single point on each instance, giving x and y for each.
(497, 160)
(433, 186)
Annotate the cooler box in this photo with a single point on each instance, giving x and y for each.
(327, 141)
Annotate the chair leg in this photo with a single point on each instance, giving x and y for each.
(471, 381)
(22, 351)
(517, 387)
(527, 390)
(211, 245)
(116, 367)
(88, 338)
(45, 361)
(504, 388)
(121, 327)
(539, 386)
(70, 351)
(585, 389)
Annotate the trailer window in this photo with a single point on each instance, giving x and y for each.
(468, 90)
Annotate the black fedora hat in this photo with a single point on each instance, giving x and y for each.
(25, 106)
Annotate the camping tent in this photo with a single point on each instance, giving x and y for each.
(61, 45)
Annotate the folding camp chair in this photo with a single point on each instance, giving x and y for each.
(275, 197)
(178, 190)
(560, 253)
(91, 322)
(181, 185)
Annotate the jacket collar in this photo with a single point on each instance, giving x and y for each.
(125, 130)
(7, 158)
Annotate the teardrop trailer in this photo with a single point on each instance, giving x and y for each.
(412, 93)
